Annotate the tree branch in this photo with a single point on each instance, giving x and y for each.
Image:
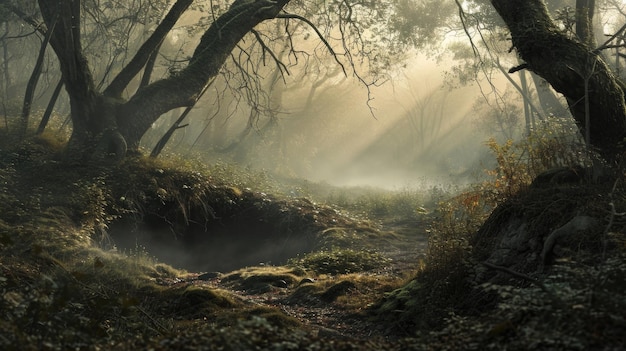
(65, 40)
(606, 45)
(555, 299)
(121, 81)
(182, 88)
(279, 64)
(320, 36)
(38, 26)
(518, 68)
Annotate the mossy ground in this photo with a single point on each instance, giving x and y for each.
(364, 280)
(64, 283)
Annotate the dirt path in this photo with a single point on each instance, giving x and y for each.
(405, 245)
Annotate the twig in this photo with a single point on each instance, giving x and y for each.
(515, 274)
(527, 278)
(518, 68)
(281, 66)
(320, 36)
(158, 326)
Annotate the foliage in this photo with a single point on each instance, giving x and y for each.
(447, 282)
(553, 144)
(444, 281)
(422, 22)
(580, 308)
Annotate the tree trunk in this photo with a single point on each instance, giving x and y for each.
(105, 122)
(32, 84)
(548, 101)
(584, 21)
(567, 64)
(528, 114)
(53, 100)
(6, 84)
(89, 117)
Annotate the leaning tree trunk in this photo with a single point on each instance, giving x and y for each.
(573, 69)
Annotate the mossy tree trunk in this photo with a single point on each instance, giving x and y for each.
(573, 69)
(103, 121)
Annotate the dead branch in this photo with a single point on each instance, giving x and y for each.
(320, 36)
(555, 299)
(279, 64)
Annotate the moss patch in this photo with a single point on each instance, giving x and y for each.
(341, 261)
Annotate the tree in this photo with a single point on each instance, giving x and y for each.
(110, 120)
(573, 68)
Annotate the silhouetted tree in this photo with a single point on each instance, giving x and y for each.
(573, 68)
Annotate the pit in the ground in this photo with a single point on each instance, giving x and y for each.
(217, 246)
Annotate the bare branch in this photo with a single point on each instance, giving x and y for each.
(320, 36)
(121, 81)
(281, 66)
(606, 45)
(38, 26)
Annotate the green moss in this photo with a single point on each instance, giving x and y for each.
(262, 279)
(275, 317)
(341, 261)
(336, 290)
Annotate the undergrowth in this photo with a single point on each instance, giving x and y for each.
(63, 287)
(450, 304)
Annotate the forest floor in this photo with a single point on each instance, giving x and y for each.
(277, 269)
(65, 282)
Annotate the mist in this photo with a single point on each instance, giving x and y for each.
(414, 129)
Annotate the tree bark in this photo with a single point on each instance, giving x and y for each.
(567, 64)
(584, 21)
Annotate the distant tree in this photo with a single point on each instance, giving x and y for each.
(484, 57)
